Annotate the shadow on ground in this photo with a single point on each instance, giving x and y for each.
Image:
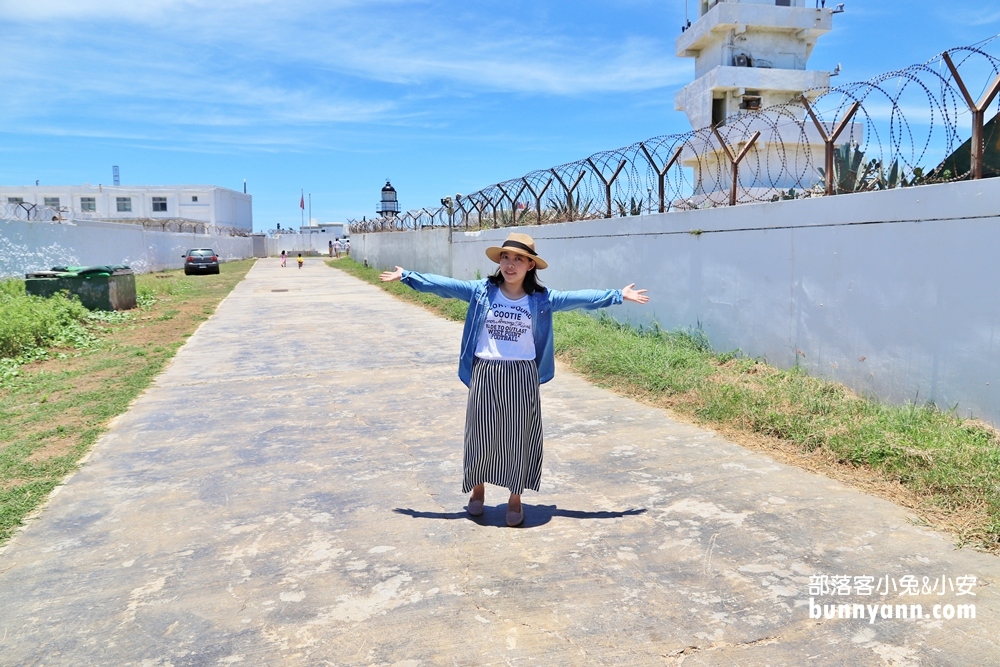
(534, 515)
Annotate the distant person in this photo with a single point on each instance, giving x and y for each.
(507, 352)
(337, 248)
(331, 248)
(283, 258)
(347, 247)
(300, 260)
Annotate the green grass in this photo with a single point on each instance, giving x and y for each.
(453, 309)
(29, 323)
(58, 403)
(950, 466)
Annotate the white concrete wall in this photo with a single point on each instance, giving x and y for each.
(423, 250)
(895, 294)
(34, 246)
(295, 243)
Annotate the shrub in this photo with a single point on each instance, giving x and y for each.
(28, 323)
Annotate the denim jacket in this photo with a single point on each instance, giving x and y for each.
(543, 303)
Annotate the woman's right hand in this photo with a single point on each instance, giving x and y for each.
(389, 276)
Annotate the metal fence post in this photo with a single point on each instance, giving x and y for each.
(735, 159)
(661, 173)
(513, 202)
(461, 206)
(570, 206)
(607, 182)
(830, 140)
(978, 113)
(538, 197)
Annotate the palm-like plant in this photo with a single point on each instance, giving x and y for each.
(854, 174)
(632, 207)
(570, 207)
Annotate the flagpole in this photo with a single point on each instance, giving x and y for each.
(302, 210)
(310, 208)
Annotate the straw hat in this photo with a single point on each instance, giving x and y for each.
(520, 244)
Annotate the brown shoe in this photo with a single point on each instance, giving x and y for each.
(475, 507)
(515, 518)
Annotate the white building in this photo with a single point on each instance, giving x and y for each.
(751, 55)
(201, 208)
(333, 230)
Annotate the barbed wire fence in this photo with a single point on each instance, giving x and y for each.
(64, 214)
(902, 128)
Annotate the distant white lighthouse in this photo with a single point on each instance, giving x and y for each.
(750, 55)
(388, 206)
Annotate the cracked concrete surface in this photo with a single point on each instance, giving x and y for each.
(288, 493)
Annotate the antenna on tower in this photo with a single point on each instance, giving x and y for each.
(114, 175)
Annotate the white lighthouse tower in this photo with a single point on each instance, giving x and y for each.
(751, 55)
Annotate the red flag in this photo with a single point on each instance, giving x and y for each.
(302, 202)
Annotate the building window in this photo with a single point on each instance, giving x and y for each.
(718, 111)
(194, 198)
(15, 200)
(52, 202)
(88, 204)
(159, 204)
(124, 204)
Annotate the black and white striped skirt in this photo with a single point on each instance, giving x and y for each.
(503, 426)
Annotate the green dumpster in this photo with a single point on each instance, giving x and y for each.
(97, 287)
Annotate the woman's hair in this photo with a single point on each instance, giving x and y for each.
(531, 284)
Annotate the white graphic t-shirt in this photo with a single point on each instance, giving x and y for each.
(507, 334)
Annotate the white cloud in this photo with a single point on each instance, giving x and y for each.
(407, 43)
(132, 10)
(278, 75)
(60, 9)
(979, 16)
(558, 66)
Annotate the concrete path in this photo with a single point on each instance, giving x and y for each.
(288, 493)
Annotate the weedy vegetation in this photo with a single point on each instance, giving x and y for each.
(65, 372)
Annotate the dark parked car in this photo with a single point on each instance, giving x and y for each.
(200, 260)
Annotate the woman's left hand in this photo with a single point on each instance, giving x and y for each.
(637, 295)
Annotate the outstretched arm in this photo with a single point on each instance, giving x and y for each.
(630, 294)
(443, 286)
(591, 299)
(389, 276)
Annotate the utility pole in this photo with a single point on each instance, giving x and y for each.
(310, 208)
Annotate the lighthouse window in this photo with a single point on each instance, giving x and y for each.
(718, 111)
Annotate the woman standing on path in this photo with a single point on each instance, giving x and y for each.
(507, 352)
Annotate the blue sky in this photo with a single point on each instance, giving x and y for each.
(334, 97)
